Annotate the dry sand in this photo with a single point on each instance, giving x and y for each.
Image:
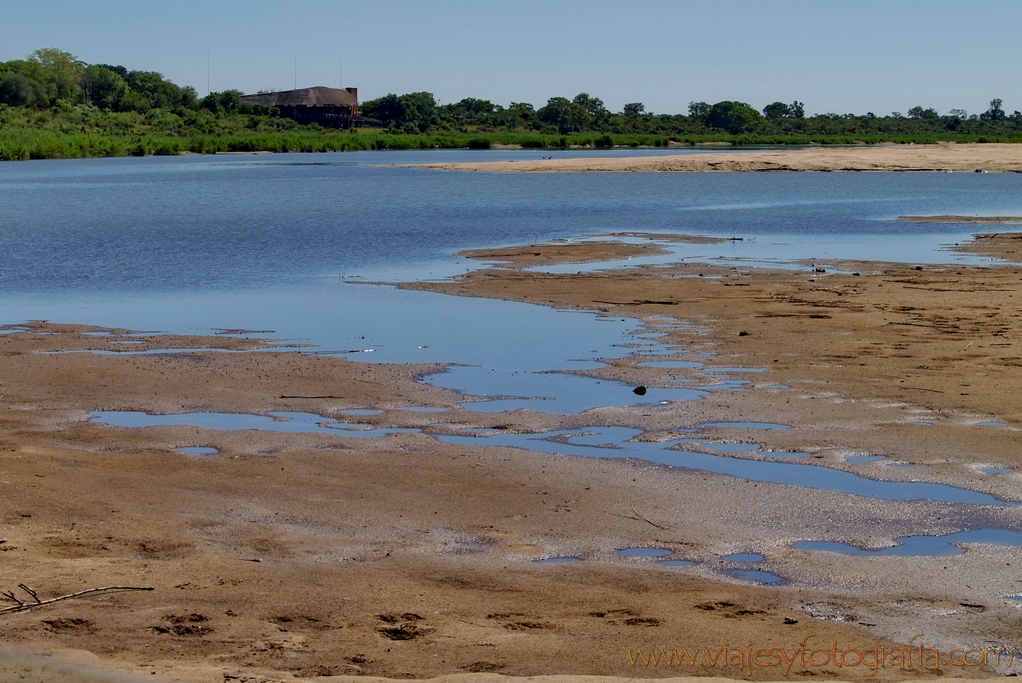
(308, 555)
(940, 157)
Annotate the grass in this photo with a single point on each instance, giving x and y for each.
(84, 132)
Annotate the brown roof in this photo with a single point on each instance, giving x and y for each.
(310, 97)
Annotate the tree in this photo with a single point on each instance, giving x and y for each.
(797, 109)
(592, 106)
(388, 109)
(567, 116)
(104, 88)
(416, 110)
(18, 90)
(995, 112)
(60, 72)
(920, 113)
(420, 110)
(634, 109)
(733, 117)
(777, 110)
(471, 108)
(224, 102)
(698, 108)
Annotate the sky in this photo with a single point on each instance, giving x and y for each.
(836, 57)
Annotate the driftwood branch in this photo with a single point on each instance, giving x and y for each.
(22, 606)
(29, 591)
(658, 526)
(289, 396)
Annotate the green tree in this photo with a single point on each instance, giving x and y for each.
(733, 117)
(471, 109)
(920, 113)
(698, 108)
(18, 90)
(104, 88)
(60, 72)
(420, 110)
(593, 106)
(777, 110)
(634, 110)
(564, 114)
(388, 109)
(224, 102)
(995, 112)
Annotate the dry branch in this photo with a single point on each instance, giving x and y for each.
(644, 519)
(22, 606)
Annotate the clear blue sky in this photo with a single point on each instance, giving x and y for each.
(835, 56)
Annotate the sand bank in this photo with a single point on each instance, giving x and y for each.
(289, 555)
(919, 158)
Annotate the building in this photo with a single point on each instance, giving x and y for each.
(329, 107)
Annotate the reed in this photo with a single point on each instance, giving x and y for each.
(107, 135)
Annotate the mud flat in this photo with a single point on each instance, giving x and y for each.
(286, 555)
(918, 158)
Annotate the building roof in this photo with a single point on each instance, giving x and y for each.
(310, 97)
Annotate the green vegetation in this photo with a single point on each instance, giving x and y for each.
(54, 106)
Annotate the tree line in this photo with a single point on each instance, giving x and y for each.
(52, 79)
(420, 112)
(113, 100)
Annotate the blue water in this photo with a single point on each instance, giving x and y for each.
(614, 442)
(280, 421)
(756, 575)
(924, 546)
(743, 557)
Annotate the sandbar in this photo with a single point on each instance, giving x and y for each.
(944, 157)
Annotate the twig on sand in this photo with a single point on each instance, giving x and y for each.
(23, 606)
(644, 519)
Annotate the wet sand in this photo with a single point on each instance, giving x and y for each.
(941, 157)
(291, 555)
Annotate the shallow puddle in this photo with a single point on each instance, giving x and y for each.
(743, 557)
(923, 546)
(614, 442)
(600, 442)
(552, 392)
(757, 575)
(278, 421)
(198, 450)
(557, 560)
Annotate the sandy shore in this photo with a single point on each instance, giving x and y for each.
(934, 158)
(289, 555)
